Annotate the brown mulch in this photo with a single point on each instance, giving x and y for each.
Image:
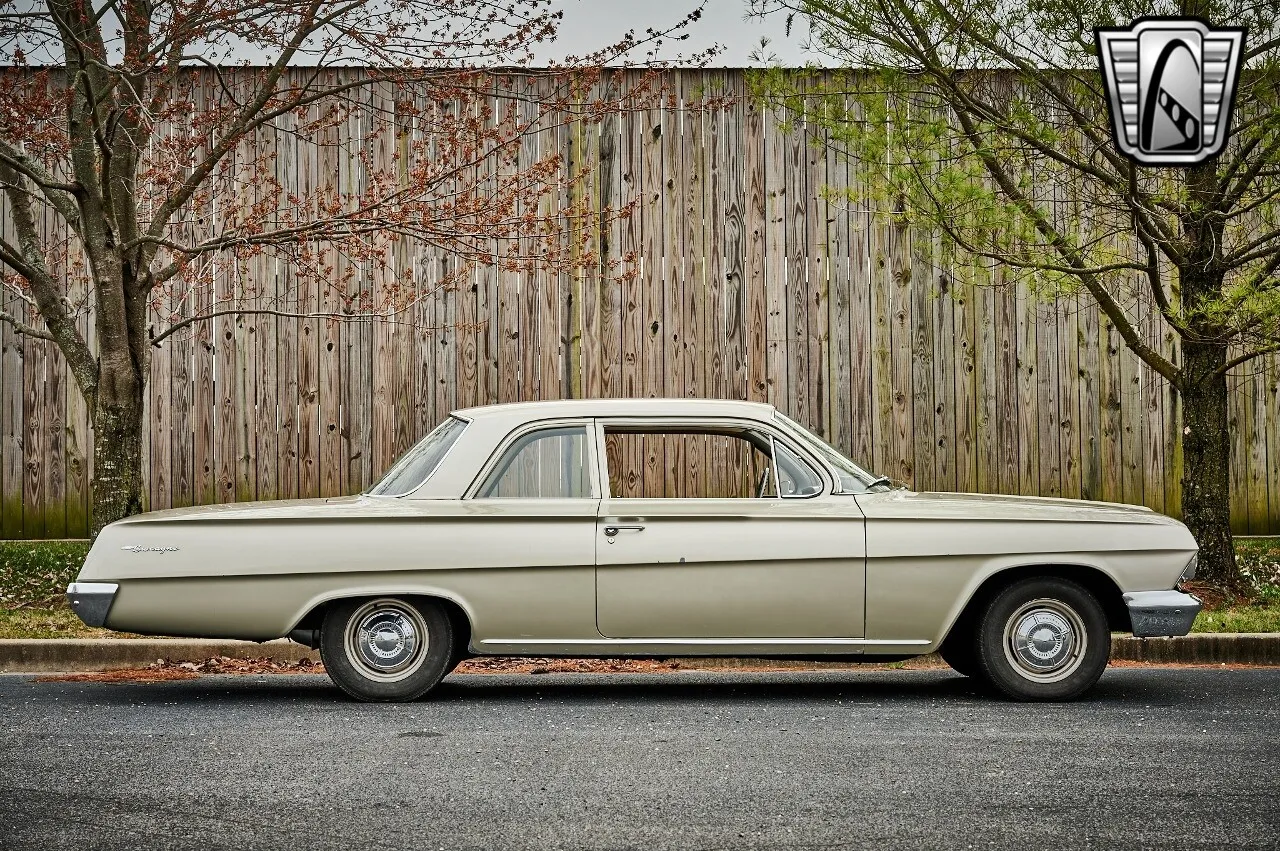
(149, 674)
(162, 670)
(1212, 597)
(508, 665)
(1220, 666)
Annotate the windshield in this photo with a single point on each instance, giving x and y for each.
(421, 461)
(852, 478)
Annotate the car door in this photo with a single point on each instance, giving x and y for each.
(533, 511)
(687, 554)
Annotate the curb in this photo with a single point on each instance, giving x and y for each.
(1213, 648)
(68, 655)
(26, 656)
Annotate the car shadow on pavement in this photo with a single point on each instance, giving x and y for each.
(898, 686)
(700, 686)
(1123, 687)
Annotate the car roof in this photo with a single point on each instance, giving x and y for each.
(621, 408)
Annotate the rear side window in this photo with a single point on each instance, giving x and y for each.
(547, 464)
(416, 465)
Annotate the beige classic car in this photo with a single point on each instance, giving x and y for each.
(649, 528)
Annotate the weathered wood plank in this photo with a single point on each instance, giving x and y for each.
(965, 385)
(609, 271)
(775, 270)
(1153, 402)
(884, 458)
(1237, 420)
(988, 452)
(1271, 401)
(838, 360)
(800, 384)
(817, 283)
(755, 274)
(34, 365)
(159, 436)
(1091, 350)
(923, 439)
(1028, 415)
(1068, 350)
(1048, 425)
(903, 349)
(1007, 374)
(1255, 436)
(732, 165)
(1109, 386)
(1133, 424)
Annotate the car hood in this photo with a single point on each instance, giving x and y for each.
(978, 506)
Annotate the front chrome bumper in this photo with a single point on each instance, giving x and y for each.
(92, 600)
(1157, 613)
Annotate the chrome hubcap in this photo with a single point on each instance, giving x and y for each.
(1045, 640)
(386, 640)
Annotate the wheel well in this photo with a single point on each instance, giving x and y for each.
(1097, 583)
(457, 618)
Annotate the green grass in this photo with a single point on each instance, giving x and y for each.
(1259, 561)
(48, 623)
(36, 573)
(34, 577)
(1261, 616)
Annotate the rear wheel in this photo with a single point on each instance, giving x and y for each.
(386, 648)
(1042, 639)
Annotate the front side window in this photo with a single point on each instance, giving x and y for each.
(413, 468)
(697, 464)
(795, 477)
(686, 465)
(550, 463)
(852, 478)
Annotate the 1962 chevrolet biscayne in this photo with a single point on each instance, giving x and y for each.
(649, 528)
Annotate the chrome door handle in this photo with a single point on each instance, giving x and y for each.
(611, 531)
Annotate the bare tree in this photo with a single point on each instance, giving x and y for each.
(133, 124)
(974, 111)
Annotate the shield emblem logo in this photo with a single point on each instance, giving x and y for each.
(1170, 83)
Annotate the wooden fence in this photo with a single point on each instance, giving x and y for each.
(752, 284)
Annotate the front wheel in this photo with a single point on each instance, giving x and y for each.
(1043, 639)
(386, 648)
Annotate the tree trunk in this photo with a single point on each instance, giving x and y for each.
(117, 445)
(1206, 467)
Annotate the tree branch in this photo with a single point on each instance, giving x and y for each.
(23, 328)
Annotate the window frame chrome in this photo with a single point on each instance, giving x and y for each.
(495, 457)
(718, 425)
(466, 423)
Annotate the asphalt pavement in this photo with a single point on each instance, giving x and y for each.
(1155, 758)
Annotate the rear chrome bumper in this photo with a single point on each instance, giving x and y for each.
(1157, 613)
(92, 600)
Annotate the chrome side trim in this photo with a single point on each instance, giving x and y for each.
(788, 642)
(1160, 613)
(92, 601)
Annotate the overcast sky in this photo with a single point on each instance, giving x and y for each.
(592, 23)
